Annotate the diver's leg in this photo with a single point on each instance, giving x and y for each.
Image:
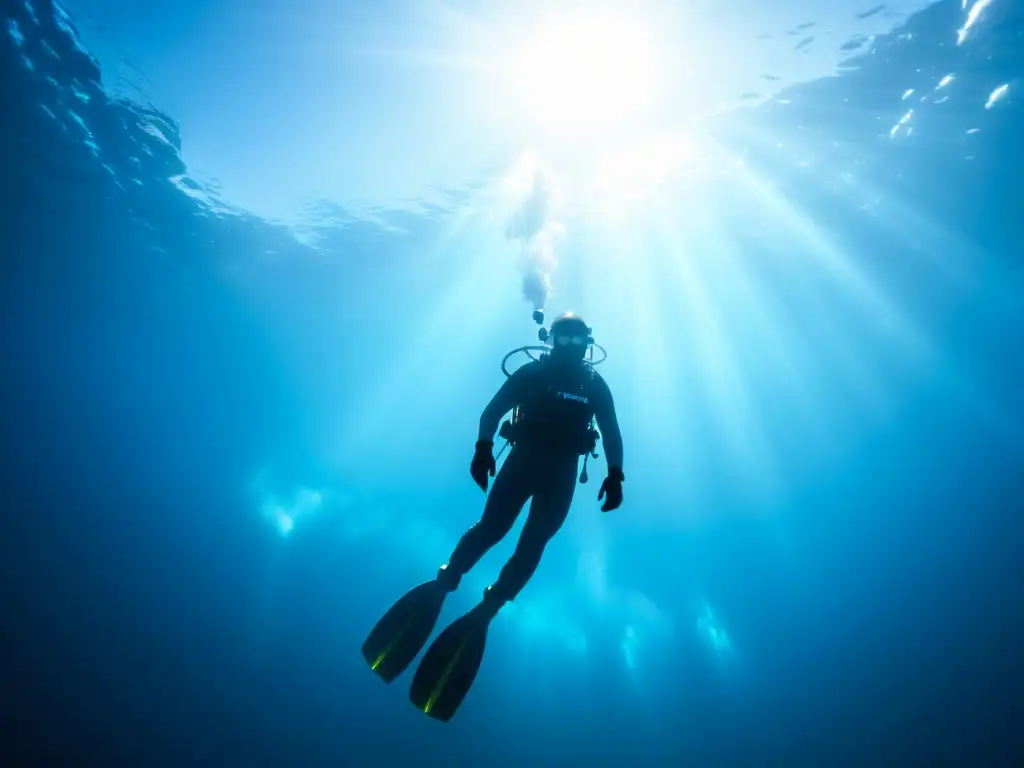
(548, 511)
(511, 488)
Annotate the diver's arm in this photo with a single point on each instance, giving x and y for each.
(608, 423)
(508, 396)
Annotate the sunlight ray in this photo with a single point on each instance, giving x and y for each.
(945, 253)
(468, 45)
(882, 313)
(433, 60)
(937, 244)
(775, 332)
(650, 350)
(468, 294)
(723, 382)
(457, 20)
(646, 365)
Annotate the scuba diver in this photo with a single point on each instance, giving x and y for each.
(554, 400)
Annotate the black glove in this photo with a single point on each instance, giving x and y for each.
(483, 464)
(612, 486)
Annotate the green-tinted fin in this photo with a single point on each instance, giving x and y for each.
(403, 631)
(449, 667)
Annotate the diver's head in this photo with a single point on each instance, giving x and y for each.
(569, 337)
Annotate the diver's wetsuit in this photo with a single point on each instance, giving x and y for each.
(556, 401)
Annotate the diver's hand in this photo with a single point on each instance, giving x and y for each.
(612, 487)
(482, 464)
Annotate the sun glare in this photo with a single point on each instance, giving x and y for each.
(584, 74)
(637, 173)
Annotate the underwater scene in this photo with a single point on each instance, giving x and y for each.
(483, 384)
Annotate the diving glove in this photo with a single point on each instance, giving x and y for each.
(483, 464)
(612, 488)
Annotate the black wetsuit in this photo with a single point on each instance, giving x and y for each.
(556, 402)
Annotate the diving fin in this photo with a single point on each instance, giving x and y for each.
(449, 666)
(404, 630)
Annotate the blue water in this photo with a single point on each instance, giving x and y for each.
(230, 440)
